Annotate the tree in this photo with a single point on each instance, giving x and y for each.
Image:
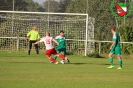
(52, 5)
(75, 7)
(63, 5)
(20, 5)
(6, 4)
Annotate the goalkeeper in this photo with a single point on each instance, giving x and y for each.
(34, 37)
(61, 48)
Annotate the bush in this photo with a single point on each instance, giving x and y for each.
(95, 55)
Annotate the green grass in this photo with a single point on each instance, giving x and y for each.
(18, 70)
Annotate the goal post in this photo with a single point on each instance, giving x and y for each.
(78, 28)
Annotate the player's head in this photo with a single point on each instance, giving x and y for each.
(61, 33)
(112, 29)
(34, 27)
(47, 34)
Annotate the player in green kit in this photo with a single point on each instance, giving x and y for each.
(115, 49)
(61, 48)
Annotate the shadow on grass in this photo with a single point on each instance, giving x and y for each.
(60, 63)
(105, 64)
(77, 63)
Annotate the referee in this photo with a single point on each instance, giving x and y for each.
(33, 37)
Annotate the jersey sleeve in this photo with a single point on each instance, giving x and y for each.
(56, 37)
(29, 33)
(38, 36)
(52, 38)
(114, 37)
(42, 39)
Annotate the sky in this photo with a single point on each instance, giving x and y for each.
(41, 1)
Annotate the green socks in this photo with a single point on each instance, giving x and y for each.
(55, 57)
(120, 63)
(112, 64)
(111, 61)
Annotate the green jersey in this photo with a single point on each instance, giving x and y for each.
(61, 41)
(34, 35)
(116, 49)
(116, 39)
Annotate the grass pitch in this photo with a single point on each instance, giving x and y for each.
(18, 70)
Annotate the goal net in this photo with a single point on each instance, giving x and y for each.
(78, 28)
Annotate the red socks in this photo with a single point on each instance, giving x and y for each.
(53, 60)
(62, 56)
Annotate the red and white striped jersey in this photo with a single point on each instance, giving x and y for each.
(48, 42)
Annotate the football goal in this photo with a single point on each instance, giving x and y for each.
(78, 28)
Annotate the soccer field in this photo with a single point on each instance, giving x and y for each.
(18, 70)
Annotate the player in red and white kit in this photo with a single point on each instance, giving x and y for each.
(49, 48)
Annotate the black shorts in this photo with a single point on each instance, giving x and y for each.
(30, 44)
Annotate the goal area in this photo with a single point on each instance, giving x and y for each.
(78, 28)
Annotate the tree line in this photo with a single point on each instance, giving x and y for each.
(98, 9)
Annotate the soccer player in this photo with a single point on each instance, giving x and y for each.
(61, 48)
(115, 49)
(33, 36)
(49, 47)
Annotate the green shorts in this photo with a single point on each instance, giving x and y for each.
(63, 50)
(116, 51)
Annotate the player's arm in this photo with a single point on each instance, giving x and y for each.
(27, 37)
(114, 41)
(112, 45)
(55, 41)
(36, 42)
(56, 38)
(38, 37)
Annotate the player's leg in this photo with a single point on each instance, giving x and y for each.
(59, 55)
(48, 54)
(52, 60)
(62, 57)
(64, 53)
(30, 46)
(120, 62)
(36, 48)
(118, 53)
(58, 51)
(55, 57)
(111, 59)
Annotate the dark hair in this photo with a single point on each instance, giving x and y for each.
(48, 33)
(113, 28)
(61, 31)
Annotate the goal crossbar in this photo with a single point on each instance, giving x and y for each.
(48, 13)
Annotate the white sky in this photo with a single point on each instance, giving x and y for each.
(41, 1)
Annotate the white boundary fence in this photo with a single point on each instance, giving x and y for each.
(95, 41)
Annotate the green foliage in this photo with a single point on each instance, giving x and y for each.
(20, 5)
(63, 4)
(75, 7)
(100, 10)
(51, 5)
(94, 55)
